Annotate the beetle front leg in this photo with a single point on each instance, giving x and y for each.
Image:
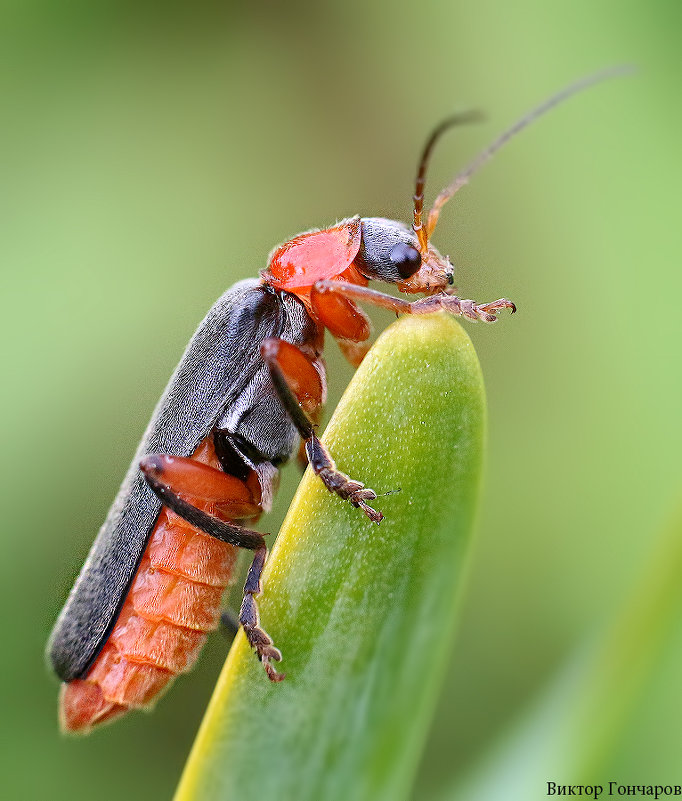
(486, 312)
(346, 321)
(278, 356)
(158, 470)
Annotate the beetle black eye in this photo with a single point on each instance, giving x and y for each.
(406, 258)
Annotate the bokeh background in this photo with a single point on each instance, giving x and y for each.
(152, 154)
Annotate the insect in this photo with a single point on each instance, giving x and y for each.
(250, 385)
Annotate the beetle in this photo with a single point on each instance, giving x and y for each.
(249, 386)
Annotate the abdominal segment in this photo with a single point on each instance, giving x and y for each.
(173, 601)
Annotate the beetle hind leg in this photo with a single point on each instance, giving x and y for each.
(162, 474)
(282, 360)
(258, 638)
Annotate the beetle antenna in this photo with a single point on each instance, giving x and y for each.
(462, 178)
(450, 122)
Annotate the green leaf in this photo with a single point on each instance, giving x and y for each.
(364, 614)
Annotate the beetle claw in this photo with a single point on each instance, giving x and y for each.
(273, 675)
(374, 516)
(487, 311)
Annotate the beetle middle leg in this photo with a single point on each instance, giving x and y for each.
(163, 474)
(283, 359)
(486, 312)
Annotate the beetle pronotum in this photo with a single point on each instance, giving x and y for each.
(250, 384)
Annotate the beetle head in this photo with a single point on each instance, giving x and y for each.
(390, 252)
(432, 262)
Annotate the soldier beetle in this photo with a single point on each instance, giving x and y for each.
(249, 386)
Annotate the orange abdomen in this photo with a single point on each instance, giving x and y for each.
(173, 601)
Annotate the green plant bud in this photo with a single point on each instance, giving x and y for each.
(364, 614)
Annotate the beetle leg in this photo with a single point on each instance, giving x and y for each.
(335, 481)
(338, 313)
(346, 321)
(305, 378)
(208, 488)
(153, 468)
(272, 351)
(441, 301)
(258, 638)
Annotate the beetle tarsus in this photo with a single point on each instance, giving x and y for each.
(258, 638)
(490, 309)
(485, 312)
(335, 481)
(439, 301)
(463, 307)
(374, 516)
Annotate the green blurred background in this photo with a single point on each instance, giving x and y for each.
(153, 154)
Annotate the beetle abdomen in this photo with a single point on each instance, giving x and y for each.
(173, 601)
